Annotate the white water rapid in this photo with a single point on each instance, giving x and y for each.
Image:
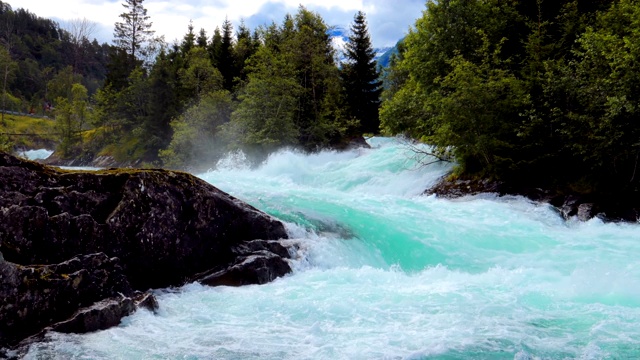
(383, 272)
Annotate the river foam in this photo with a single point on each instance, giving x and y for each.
(382, 272)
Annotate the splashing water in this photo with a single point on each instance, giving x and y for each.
(38, 154)
(383, 272)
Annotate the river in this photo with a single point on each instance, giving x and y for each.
(383, 272)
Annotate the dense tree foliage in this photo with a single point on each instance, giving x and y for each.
(202, 97)
(540, 92)
(253, 92)
(196, 140)
(33, 50)
(72, 114)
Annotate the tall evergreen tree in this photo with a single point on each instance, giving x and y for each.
(202, 40)
(215, 47)
(361, 77)
(245, 47)
(189, 40)
(134, 31)
(225, 61)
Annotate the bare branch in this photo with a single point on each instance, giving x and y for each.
(81, 30)
(422, 155)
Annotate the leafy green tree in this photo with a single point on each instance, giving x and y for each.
(293, 94)
(448, 79)
(200, 76)
(594, 101)
(541, 92)
(61, 85)
(470, 112)
(361, 77)
(265, 118)
(71, 116)
(7, 67)
(196, 138)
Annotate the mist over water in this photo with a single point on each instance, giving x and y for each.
(383, 272)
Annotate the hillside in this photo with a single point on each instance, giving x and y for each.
(35, 51)
(27, 132)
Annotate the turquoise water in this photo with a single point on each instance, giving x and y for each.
(382, 272)
(35, 154)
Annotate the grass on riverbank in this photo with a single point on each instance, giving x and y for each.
(26, 132)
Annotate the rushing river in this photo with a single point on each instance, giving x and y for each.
(383, 272)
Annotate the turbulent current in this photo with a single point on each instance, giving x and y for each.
(383, 272)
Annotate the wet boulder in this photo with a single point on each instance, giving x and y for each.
(76, 245)
(164, 226)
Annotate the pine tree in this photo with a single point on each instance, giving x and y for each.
(202, 40)
(215, 47)
(361, 77)
(225, 62)
(245, 47)
(134, 31)
(189, 40)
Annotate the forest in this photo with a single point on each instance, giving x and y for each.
(186, 104)
(542, 93)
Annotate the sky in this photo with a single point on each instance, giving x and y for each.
(389, 20)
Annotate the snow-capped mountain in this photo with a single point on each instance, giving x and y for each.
(339, 38)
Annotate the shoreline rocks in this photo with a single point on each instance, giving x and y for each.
(115, 232)
(609, 208)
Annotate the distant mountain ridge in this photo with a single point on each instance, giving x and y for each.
(340, 37)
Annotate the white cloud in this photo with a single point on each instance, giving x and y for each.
(388, 20)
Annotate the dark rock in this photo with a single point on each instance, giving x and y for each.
(608, 207)
(32, 297)
(135, 229)
(99, 316)
(570, 207)
(147, 301)
(355, 142)
(586, 211)
(254, 269)
(258, 262)
(165, 226)
(255, 246)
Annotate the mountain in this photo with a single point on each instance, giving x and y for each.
(339, 38)
(385, 58)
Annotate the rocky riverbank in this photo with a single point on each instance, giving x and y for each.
(80, 249)
(608, 207)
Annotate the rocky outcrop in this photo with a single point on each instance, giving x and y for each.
(258, 262)
(608, 207)
(33, 297)
(102, 235)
